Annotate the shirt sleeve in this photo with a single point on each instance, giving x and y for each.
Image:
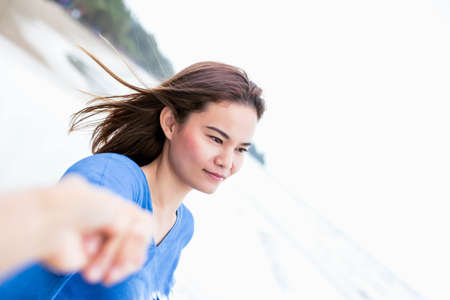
(108, 170)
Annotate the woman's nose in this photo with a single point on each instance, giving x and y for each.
(225, 159)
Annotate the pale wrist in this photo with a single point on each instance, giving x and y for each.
(46, 221)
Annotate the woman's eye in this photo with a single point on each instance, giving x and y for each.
(242, 150)
(215, 139)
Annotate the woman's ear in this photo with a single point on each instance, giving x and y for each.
(168, 122)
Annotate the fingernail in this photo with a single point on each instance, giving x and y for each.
(115, 275)
(95, 274)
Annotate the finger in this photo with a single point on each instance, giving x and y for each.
(129, 259)
(114, 233)
(133, 251)
(100, 263)
(92, 244)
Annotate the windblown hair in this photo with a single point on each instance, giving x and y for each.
(130, 124)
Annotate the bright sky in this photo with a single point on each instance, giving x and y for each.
(358, 111)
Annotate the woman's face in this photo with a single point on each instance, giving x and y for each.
(210, 146)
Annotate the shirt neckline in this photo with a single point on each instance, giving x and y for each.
(172, 230)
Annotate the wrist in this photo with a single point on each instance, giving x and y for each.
(45, 221)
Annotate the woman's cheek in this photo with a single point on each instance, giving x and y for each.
(194, 147)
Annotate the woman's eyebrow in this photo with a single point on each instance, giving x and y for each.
(226, 136)
(219, 131)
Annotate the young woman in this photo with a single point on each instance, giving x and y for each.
(152, 147)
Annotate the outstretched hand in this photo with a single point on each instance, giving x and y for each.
(94, 231)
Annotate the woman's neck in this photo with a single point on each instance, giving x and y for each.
(167, 191)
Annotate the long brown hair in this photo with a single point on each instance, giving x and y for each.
(130, 124)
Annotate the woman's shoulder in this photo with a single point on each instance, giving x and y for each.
(104, 160)
(112, 163)
(113, 171)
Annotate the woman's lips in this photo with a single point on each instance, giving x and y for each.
(215, 176)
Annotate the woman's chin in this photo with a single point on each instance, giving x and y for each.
(207, 189)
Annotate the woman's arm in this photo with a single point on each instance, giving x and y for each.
(74, 226)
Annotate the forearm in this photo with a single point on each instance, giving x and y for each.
(57, 225)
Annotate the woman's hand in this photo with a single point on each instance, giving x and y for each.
(91, 230)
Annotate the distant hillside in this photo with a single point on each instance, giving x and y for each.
(113, 20)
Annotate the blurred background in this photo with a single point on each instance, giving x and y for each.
(345, 195)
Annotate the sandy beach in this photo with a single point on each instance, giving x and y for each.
(49, 13)
(20, 23)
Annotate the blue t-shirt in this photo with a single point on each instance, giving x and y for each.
(154, 280)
